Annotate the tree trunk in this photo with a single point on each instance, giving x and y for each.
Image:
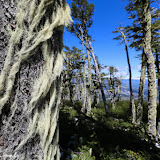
(89, 83)
(97, 70)
(113, 102)
(132, 105)
(30, 79)
(96, 97)
(152, 87)
(84, 76)
(141, 89)
(120, 91)
(84, 86)
(99, 78)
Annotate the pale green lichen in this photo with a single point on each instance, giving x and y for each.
(31, 36)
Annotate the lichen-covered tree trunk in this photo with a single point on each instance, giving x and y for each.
(30, 78)
(84, 77)
(84, 87)
(152, 87)
(141, 89)
(89, 83)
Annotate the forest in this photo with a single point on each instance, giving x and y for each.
(59, 101)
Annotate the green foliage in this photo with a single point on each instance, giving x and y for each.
(122, 109)
(83, 154)
(111, 137)
(82, 13)
(114, 83)
(128, 154)
(145, 110)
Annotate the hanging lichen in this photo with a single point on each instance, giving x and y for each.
(35, 24)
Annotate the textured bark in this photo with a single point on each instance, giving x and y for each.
(141, 89)
(89, 83)
(152, 87)
(158, 131)
(29, 122)
(7, 14)
(84, 76)
(84, 87)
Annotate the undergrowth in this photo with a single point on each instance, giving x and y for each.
(102, 137)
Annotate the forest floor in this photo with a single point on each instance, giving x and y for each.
(103, 137)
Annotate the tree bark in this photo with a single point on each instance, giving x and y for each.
(152, 87)
(141, 89)
(84, 75)
(30, 79)
(89, 82)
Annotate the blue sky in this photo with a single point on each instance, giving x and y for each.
(108, 15)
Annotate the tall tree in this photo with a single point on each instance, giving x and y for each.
(143, 10)
(82, 13)
(155, 28)
(30, 79)
(152, 87)
(137, 34)
(123, 39)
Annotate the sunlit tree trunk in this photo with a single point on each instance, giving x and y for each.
(30, 78)
(152, 87)
(84, 90)
(84, 82)
(89, 83)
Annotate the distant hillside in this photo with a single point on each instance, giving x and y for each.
(135, 86)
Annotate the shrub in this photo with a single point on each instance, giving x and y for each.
(83, 154)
